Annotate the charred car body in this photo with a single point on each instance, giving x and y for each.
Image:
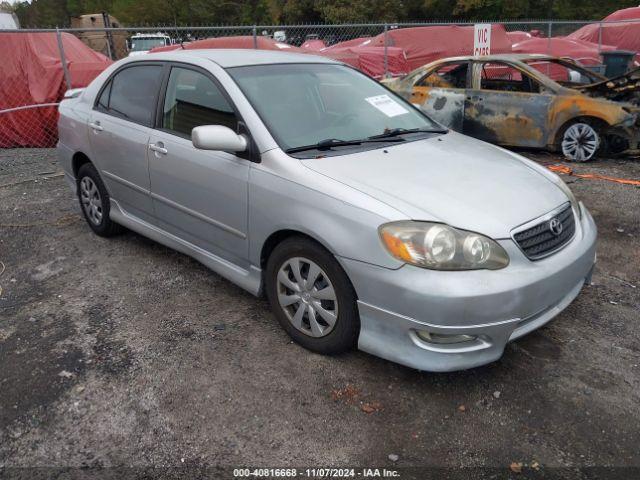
(531, 101)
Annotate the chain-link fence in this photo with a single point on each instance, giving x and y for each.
(42, 64)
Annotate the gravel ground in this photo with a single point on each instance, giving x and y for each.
(123, 353)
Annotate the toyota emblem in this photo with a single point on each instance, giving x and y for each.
(555, 226)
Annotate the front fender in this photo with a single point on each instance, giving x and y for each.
(342, 219)
(569, 107)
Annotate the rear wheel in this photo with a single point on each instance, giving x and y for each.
(312, 297)
(580, 141)
(94, 202)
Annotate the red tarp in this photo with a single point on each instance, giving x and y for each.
(369, 60)
(622, 36)
(315, 44)
(426, 44)
(241, 41)
(31, 73)
(585, 52)
(355, 42)
(632, 13)
(518, 36)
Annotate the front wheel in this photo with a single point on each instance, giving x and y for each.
(312, 297)
(580, 141)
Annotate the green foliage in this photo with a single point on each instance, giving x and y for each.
(48, 13)
(345, 11)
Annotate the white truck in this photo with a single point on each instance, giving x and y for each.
(143, 42)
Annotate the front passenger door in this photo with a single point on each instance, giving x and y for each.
(198, 195)
(441, 93)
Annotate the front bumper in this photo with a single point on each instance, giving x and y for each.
(494, 306)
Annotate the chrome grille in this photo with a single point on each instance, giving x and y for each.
(548, 236)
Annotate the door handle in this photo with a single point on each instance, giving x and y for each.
(96, 126)
(158, 147)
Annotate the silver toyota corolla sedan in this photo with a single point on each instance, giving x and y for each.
(363, 221)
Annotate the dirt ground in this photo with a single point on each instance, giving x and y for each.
(123, 353)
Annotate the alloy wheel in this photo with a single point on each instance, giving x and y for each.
(307, 297)
(91, 200)
(580, 142)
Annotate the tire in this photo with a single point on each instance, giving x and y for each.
(316, 300)
(94, 202)
(580, 141)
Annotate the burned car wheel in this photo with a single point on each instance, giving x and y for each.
(580, 141)
(312, 297)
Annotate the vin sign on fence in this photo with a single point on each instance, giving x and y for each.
(482, 39)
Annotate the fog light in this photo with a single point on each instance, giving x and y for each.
(441, 339)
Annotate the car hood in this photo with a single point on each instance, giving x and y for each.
(625, 88)
(450, 178)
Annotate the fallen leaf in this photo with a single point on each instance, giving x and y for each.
(516, 467)
(371, 407)
(348, 394)
(535, 465)
(462, 408)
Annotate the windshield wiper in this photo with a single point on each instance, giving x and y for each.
(324, 145)
(394, 132)
(334, 142)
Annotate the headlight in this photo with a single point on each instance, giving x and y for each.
(572, 198)
(440, 247)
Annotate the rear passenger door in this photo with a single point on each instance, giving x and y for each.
(119, 129)
(507, 106)
(198, 195)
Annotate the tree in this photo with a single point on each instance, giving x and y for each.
(51, 13)
(341, 11)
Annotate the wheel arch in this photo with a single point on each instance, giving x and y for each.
(279, 236)
(600, 122)
(77, 160)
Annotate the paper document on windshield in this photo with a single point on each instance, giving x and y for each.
(387, 105)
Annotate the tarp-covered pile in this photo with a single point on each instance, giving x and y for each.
(240, 41)
(31, 74)
(586, 53)
(422, 45)
(623, 33)
(368, 58)
(313, 44)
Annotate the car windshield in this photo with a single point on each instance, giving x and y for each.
(328, 105)
(144, 44)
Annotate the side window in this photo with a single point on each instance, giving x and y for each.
(564, 74)
(131, 93)
(103, 101)
(504, 77)
(192, 99)
(451, 75)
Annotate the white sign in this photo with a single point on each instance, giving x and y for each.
(387, 105)
(481, 39)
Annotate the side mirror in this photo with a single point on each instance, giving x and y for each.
(218, 137)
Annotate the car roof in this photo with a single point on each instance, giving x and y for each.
(228, 58)
(513, 57)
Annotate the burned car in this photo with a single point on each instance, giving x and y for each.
(531, 101)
